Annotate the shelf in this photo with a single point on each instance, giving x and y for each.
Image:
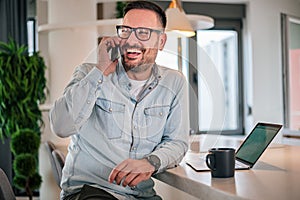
(110, 23)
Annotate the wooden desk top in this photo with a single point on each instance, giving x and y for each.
(275, 176)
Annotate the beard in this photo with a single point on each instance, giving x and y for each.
(145, 60)
(141, 66)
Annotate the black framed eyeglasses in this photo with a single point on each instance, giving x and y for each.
(141, 33)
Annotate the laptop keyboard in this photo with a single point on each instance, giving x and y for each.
(239, 164)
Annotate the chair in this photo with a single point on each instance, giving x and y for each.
(57, 160)
(6, 192)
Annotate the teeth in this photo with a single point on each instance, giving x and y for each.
(134, 51)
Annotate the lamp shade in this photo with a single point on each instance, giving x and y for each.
(177, 21)
(186, 25)
(199, 22)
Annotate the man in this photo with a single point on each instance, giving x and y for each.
(127, 118)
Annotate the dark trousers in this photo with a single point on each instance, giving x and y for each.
(91, 193)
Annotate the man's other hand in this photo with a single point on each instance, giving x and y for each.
(131, 172)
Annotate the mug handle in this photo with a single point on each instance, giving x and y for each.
(210, 161)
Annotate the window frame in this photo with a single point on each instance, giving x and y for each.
(227, 17)
(235, 25)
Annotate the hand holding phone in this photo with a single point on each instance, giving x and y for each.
(114, 53)
(108, 54)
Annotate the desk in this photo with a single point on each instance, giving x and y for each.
(275, 176)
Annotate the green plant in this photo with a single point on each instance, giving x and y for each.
(25, 141)
(25, 145)
(22, 90)
(120, 8)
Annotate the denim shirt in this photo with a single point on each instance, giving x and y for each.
(107, 125)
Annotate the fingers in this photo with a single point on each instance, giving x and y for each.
(114, 173)
(129, 180)
(131, 172)
(110, 42)
(104, 62)
(133, 179)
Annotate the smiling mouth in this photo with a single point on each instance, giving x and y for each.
(133, 53)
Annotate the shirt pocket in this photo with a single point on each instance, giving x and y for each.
(110, 116)
(156, 117)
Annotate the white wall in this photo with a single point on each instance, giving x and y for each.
(263, 63)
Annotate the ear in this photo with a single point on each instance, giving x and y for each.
(162, 41)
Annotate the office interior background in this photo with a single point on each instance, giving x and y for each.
(244, 70)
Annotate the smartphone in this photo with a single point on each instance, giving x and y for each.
(114, 53)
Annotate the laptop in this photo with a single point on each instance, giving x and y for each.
(249, 151)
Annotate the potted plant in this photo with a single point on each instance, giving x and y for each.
(25, 146)
(22, 90)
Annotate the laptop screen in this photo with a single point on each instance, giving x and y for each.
(256, 142)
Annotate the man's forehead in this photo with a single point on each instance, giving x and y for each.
(141, 18)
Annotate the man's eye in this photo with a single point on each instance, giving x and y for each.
(125, 30)
(143, 32)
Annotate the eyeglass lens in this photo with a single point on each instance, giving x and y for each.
(141, 33)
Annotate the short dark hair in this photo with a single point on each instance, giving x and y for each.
(148, 6)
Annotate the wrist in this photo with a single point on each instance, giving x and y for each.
(154, 161)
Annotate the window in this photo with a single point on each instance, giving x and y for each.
(291, 69)
(31, 34)
(218, 86)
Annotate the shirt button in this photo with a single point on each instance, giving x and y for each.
(88, 102)
(135, 127)
(133, 149)
(160, 114)
(110, 109)
(100, 81)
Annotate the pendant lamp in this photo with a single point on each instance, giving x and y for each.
(178, 21)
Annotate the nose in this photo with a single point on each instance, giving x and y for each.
(132, 39)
